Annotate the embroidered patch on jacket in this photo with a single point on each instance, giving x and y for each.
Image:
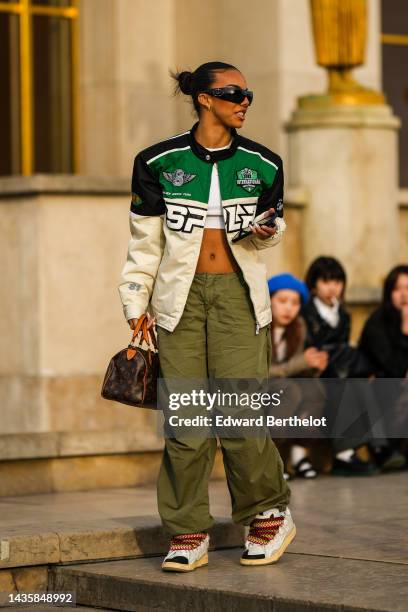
(178, 177)
(136, 199)
(248, 179)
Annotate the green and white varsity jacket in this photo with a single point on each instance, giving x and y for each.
(170, 190)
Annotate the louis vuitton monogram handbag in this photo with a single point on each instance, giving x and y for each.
(131, 377)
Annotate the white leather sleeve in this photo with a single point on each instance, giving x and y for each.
(144, 254)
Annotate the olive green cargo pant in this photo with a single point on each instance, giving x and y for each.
(216, 337)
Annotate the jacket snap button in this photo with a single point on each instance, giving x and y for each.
(208, 157)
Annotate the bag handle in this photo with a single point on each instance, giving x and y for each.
(149, 335)
(146, 334)
(141, 320)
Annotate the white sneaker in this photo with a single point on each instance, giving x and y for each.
(270, 533)
(187, 552)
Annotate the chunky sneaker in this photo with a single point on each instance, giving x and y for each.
(270, 533)
(187, 552)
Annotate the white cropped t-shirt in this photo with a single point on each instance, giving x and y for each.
(215, 218)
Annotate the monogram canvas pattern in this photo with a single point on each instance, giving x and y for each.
(134, 381)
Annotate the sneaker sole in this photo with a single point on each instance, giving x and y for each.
(170, 566)
(277, 555)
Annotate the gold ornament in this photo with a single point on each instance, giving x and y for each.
(340, 31)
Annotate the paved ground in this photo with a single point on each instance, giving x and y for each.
(356, 518)
(351, 550)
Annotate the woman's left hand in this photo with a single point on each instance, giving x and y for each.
(264, 231)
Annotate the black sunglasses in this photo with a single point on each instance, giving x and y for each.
(231, 93)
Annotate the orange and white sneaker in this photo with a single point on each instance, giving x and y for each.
(270, 533)
(187, 552)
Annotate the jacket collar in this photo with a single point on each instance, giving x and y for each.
(212, 156)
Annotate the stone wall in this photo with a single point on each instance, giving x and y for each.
(63, 243)
(128, 47)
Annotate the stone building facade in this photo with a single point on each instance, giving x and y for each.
(88, 85)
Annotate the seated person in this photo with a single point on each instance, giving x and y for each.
(289, 357)
(384, 340)
(328, 329)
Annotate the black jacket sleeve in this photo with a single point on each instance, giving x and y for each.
(272, 197)
(386, 348)
(147, 195)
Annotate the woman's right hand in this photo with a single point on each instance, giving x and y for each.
(150, 321)
(316, 359)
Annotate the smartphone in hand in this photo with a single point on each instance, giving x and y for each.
(246, 231)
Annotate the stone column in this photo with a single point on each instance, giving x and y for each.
(126, 103)
(346, 158)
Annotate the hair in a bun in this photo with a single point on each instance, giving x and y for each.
(192, 83)
(185, 82)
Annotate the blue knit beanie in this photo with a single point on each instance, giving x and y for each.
(288, 281)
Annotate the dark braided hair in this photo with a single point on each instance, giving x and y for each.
(193, 83)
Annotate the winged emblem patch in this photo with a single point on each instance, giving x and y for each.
(178, 177)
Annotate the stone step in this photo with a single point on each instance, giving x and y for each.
(76, 460)
(38, 608)
(87, 473)
(44, 445)
(116, 538)
(64, 461)
(298, 582)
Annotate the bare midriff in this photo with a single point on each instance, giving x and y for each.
(215, 253)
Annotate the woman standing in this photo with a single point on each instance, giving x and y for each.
(191, 194)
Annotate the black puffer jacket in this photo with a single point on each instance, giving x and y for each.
(385, 345)
(320, 334)
(345, 361)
